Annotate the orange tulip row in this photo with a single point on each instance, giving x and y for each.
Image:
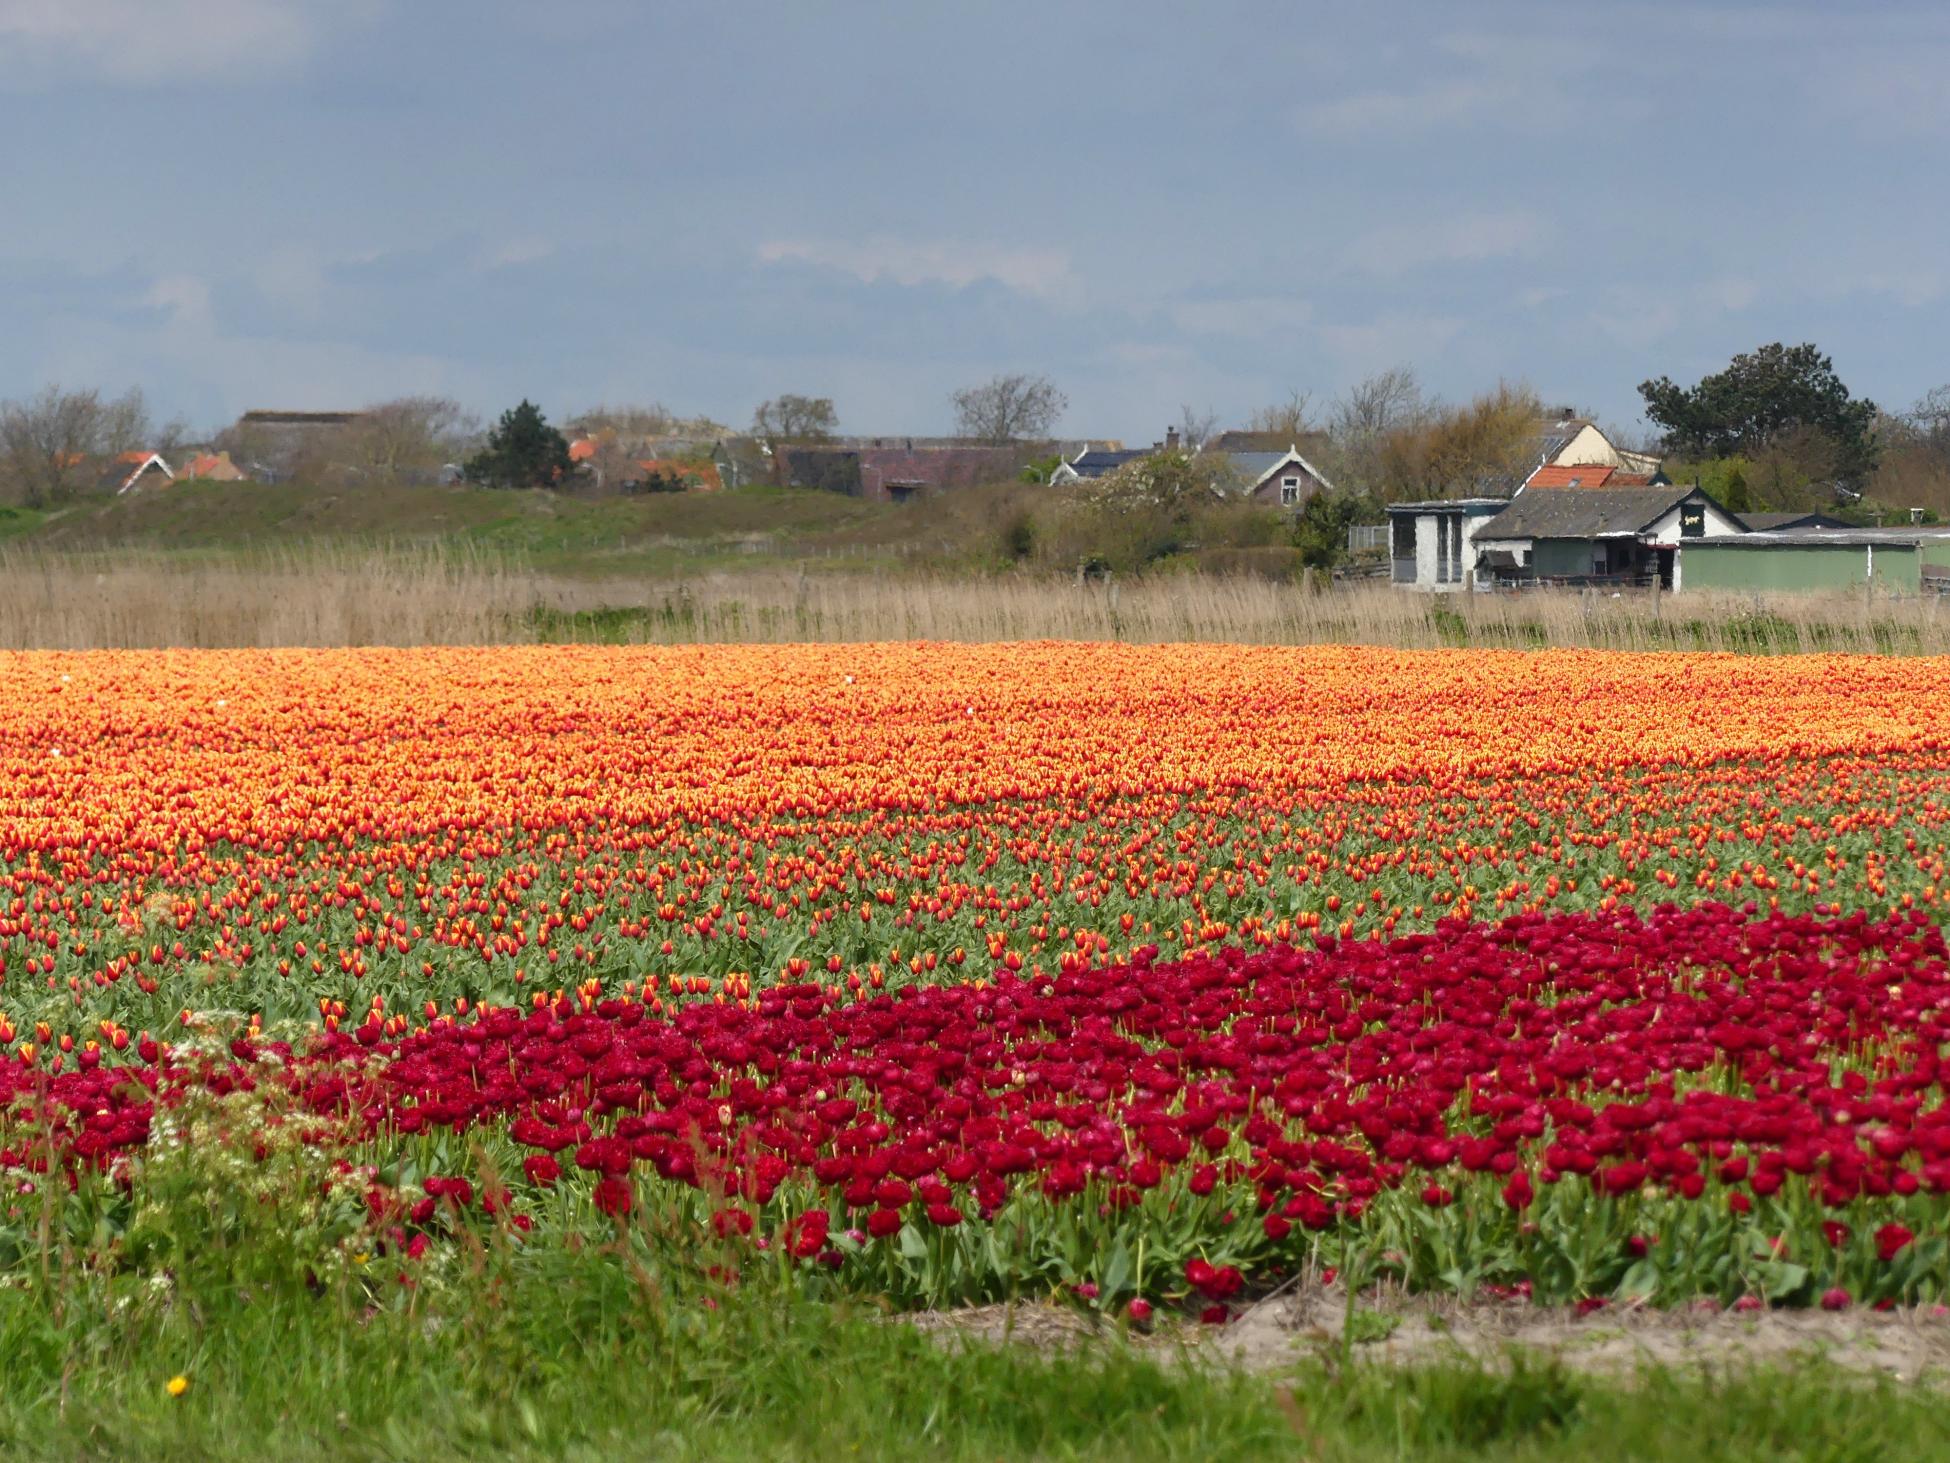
(395, 831)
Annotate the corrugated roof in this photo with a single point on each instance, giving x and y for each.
(1585, 513)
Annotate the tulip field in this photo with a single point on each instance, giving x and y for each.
(1147, 978)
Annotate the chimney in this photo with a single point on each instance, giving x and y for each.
(1171, 439)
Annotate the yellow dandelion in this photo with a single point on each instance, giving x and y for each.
(177, 1385)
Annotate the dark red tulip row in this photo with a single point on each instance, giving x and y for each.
(1633, 1053)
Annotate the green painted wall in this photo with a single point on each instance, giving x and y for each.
(1555, 558)
(1705, 565)
(1899, 570)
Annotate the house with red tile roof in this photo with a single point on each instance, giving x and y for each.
(212, 467)
(1590, 475)
(1563, 439)
(127, 471)
(698, 476)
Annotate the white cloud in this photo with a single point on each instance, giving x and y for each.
(156, 40)
(1145, 354)
(1907, 287)
(1522, 78)
(1247, 316)
(1464, 239)
(1388, 341)
(292, 277)
(1444, 103)
(1889, 96)
(513, 252)
(1731, 294)
(1640, 316)
(184, 300)
(1042, 272)
(182, 344)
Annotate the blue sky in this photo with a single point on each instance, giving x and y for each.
(320, 203)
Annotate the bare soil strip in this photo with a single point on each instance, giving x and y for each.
(1906, 1345)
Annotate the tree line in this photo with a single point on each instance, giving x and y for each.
(1777, 428)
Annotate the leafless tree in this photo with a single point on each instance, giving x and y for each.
(790, 418)
(1196, 428)
(1382, 403)
(1285, 418)
(1913, 470)
(1482, 446)
(1009, 408)
(408, 437)
(1366, 416)
(1928, 421)
(48, 441)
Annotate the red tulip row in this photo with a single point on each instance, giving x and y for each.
(1663, 1058)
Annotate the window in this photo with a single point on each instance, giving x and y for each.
(1441, 549)
(1455, 547)
(1403, 530)
(1289, 492)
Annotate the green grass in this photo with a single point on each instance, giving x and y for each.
(576, 1358)
(577, 1355)
(1537, 1409)
(243, 1265)
(656, 532)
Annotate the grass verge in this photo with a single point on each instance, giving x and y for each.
(578, 1354)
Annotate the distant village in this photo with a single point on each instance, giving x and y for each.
(1497, 494)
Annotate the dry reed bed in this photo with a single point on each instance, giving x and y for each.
(433, 597)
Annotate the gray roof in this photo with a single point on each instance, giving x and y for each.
(1451, 505)
(1554, 433)
(1252, 466)
(1821, 538)
(1095, 463)
(1768, 522)
(1583, 512)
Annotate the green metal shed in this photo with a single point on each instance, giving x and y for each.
(1893, 561)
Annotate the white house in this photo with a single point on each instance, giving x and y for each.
(1433, 545)
(1565, 439)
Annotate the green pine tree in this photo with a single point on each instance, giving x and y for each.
(523, 451)
(1734, 496)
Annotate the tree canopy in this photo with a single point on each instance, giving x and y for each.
(1759, 398)
(523, 451)
(49, 443)
(790, 418)
(1013, 408)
